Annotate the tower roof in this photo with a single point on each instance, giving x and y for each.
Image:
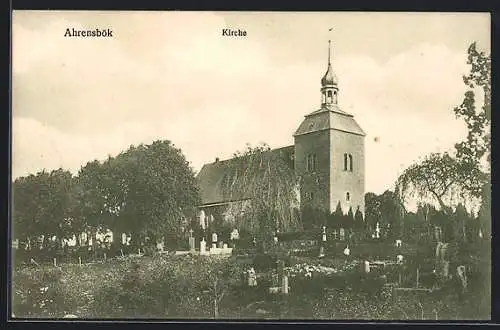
(329, 119)
(330, 78)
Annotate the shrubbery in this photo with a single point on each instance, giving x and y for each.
(39, 294)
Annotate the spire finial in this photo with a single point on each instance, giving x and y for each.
(329, 46)
(329, 50)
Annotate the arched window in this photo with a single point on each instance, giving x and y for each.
(350, 162)
(323, 97)
(329, 96)
(345, 162)
(311, 163)
(347, 196)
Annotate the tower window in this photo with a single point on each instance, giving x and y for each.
(347, 196)
(348, 164)
(329, 97)
(311, 163)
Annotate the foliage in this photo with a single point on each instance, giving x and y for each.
(358, 219)
(43, 205)
(485, 211)
(183, 287)
(445, 177)
(441, 178)
(161, 189)
(336, 219)
(385, 209)
(173, 288)
(478, 142)
(39, 294)
(372, 209)
(267, 179)
(146, 191)
(313, 217)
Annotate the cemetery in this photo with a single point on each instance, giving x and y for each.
(296, 278)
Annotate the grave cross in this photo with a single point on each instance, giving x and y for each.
(191, 231)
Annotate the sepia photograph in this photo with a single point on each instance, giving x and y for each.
(175, 165)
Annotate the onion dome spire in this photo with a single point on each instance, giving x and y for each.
(330, 78)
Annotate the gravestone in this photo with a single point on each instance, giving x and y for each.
(252, 277)
(323, 243)
(192, 243)
(377, 231)
(284, 285)
(275, 283)
(203, 247)
(442, 262)
(367, 266)
(446, 269)
(321, 251)
(462, 277)
(280, 269)
(235, 236)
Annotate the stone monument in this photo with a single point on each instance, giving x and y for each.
(191, 241)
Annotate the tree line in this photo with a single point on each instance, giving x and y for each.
(145, 192)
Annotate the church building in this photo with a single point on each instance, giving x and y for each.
(328, 155)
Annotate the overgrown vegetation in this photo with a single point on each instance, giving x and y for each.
(206, 288)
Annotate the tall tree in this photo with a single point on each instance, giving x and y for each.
(269, 182)
(90, 191)
(60, 205)
(477, 145)
(25, 215)
(161, 190)
(358, 219)
(373, 213)
(42, 205)
(476, 149)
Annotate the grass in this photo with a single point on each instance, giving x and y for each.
(178, 287)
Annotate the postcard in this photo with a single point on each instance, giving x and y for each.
(251, 165)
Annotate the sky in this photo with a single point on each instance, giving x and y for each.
(172, 75)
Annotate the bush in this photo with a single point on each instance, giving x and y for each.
(172, 287)
(37, 293)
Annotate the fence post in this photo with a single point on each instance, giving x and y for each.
(80, 261)
(417, 276)
(104, 256)
(55, 262)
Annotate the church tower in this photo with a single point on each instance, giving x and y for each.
(330, 153)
